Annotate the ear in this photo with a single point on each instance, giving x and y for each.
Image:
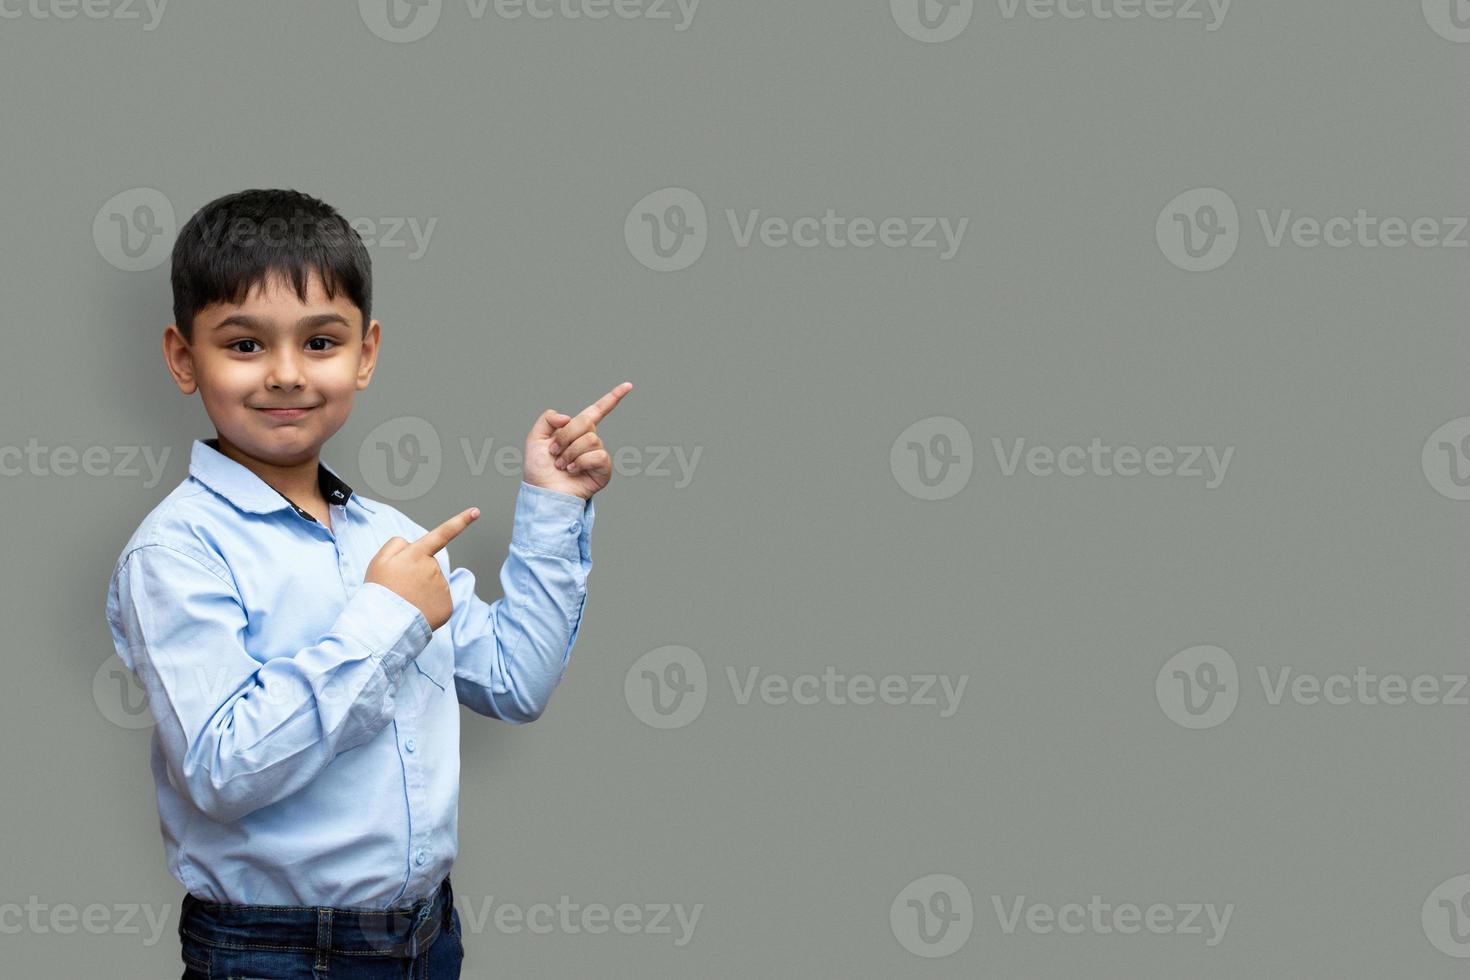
(371, 343)
(179, 359)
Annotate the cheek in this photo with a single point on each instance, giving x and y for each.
(338, 393)
(342, 384)
(229, 382)
(339, 387)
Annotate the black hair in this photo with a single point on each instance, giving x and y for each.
(238, 241)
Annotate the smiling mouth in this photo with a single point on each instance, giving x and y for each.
(285, 413)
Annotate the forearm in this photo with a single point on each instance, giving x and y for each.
(511, 654)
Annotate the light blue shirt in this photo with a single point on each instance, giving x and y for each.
(306, 745)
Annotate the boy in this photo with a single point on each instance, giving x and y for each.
(305, 649)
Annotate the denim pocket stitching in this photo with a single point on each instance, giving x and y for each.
(204, 966)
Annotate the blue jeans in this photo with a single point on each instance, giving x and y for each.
(226, 942)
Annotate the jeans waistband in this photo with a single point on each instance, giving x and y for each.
(321, 929)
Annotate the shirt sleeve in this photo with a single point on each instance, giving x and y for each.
(239, 734)
(511, 653)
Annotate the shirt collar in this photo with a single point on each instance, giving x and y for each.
(247, 491)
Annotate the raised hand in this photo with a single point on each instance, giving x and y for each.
(565, 453)
(411, 570)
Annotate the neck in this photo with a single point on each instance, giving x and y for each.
(297, 481)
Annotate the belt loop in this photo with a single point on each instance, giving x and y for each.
(323, 940)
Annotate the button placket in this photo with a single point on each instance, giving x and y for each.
(415, 788)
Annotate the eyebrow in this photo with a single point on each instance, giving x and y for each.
(256, 323)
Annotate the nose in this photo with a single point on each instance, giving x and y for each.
(285, 371)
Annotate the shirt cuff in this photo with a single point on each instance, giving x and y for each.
(549, 522)
(390, 627)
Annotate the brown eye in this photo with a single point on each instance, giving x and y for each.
(237, 343)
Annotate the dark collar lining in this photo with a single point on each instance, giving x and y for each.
(334, 491)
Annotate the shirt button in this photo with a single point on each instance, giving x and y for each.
(575, 526)
(419, 856)
(408, 745)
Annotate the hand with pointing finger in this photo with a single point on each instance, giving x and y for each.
(565, 453)
(412, 571)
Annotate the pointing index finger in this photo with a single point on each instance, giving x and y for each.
(599, 409)
(440, 536)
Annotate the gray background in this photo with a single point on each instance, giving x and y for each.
(796, 545)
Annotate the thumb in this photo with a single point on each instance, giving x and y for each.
(392, 547)
(547, 423)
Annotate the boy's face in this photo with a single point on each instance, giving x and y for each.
(274, 351)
